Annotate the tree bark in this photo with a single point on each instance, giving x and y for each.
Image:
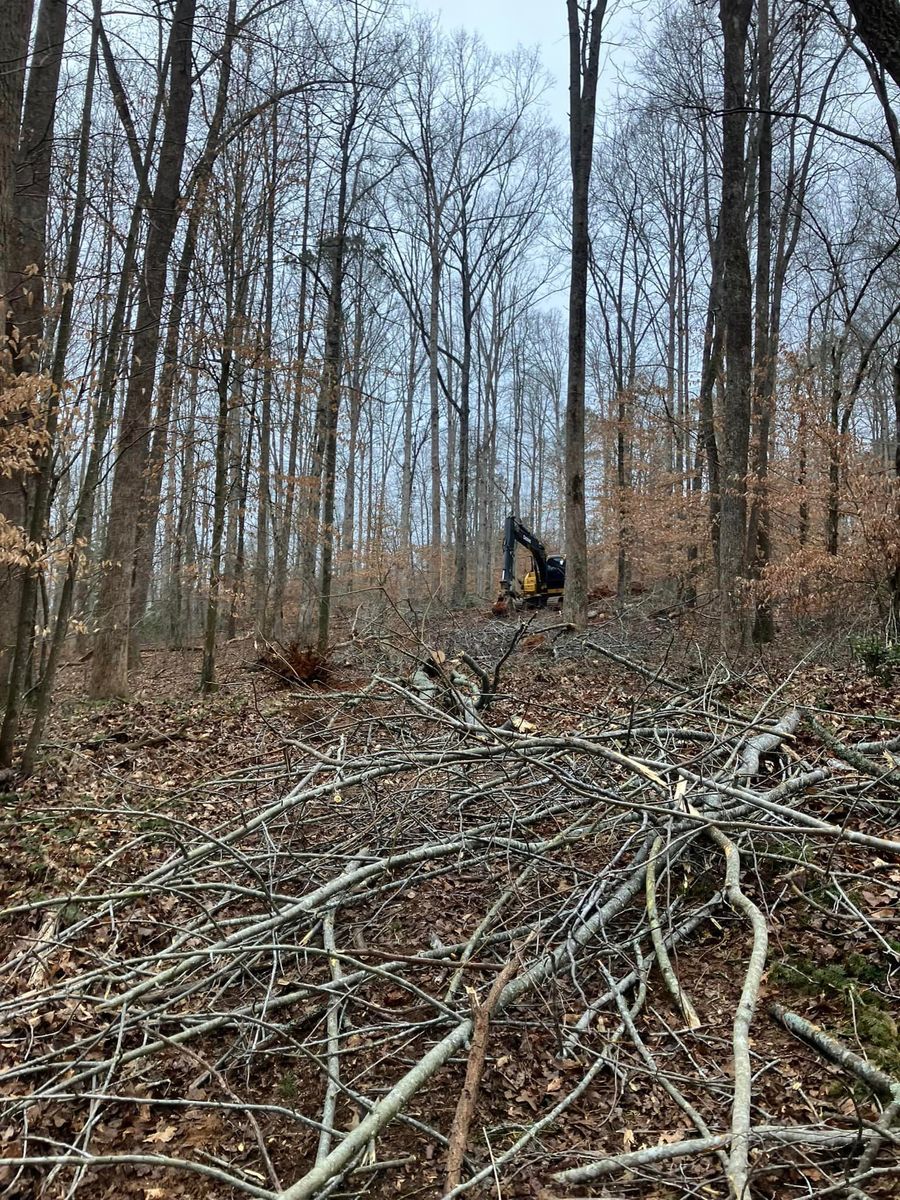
(146, 532)
(331, 401)
(461, 523)
(737, 318)
(109, 667)
(766, 347)
(434, 406)
(584, 66)
(32, 199)
(878, 24)
(15, 28)
(220, 496)
(894, 577)
(332, 369)
(261, 563)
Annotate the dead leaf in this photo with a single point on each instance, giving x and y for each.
(163, 1136)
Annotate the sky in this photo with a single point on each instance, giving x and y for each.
(504, 24)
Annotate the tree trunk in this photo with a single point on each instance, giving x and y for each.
(332, 368)
(109, 668)
(766, 349)
(331, 393)
(282, 549)
(350, 478)
(894, 577)
(26, 300)
(460, 548)
(146, 532)
(623, 492)
(15, 28)
(220, 495)
(435, 409)
(737, 318)
(406, 495)
(261, 564)
(584, 66)
(878, 23)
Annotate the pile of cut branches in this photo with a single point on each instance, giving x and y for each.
(456, 956)
(293, 664)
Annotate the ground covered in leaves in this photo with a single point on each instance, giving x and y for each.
(391, 934)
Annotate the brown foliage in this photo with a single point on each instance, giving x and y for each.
(294, 664)
(22, 440)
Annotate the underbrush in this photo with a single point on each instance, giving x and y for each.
(294, 664)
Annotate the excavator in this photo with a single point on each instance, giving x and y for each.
(546, 579)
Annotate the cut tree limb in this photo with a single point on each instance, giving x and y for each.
(465, 1108)
(743, 1074)
(765, 743)
(679, 995)
(836, 1052)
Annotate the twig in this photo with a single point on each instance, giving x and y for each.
(580, 1088)
(666, 1151)
(890, 776)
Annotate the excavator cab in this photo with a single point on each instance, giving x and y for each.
(546, 578)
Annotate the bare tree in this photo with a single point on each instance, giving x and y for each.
(737, 321)
(109, 667)
(27, 306)
(585, 29)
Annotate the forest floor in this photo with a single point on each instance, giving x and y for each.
(368, 938)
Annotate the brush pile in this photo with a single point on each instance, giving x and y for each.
(457, 952)
(293, 665)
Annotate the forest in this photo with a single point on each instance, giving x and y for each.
(449, 601)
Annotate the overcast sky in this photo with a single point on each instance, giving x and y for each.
(504, 24)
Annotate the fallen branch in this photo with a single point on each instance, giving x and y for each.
(860, 762)
(743, 1075)
(876, 1080)
(765, 743)
(560, 1107)
(465, 1108)
(489, 687)
(667, 971)
(402, 1092)
(666, 1151)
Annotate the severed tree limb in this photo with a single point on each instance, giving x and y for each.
(861, 762)
(666, 1151)
(465, 1108)
(765, 743)
(876, 1080)
(649, 1156)
(639, 669)
(882, 1133)
(738, 1175)
(117, 1161)
(489, 686)
(560, 1107)
(877, 747)
(678, 934)
(667, 1085)
(681, 998)
(486, 692)
(333, 1029)
(393, 1101)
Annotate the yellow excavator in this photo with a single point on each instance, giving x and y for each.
(545, 580)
